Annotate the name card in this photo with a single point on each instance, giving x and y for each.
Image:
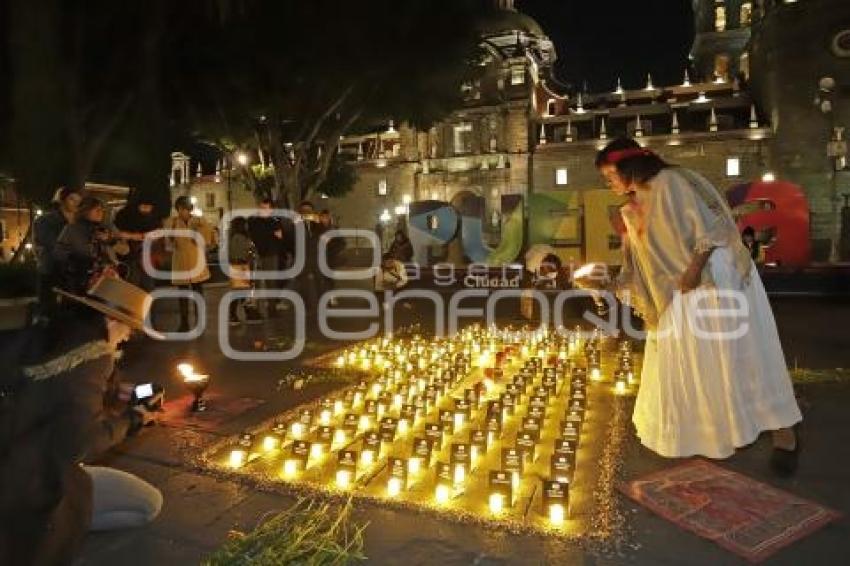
(555, 493)
(325, 435)
(569, 431)
(422, 449)
(434, 431)
(532, 425)
(526, 443)
(561, 467)
(347, 460)
(387, 429)
(301, 452)
(447, 420)
(351, 422)
(408, 412)
(536, 412)
(460, 454)
(370, 407)
(479, 439)
(444, 474)
(508, 402)
(512, 460)
(398, 469)
(305, 417)
(501, 483)
(566, 447)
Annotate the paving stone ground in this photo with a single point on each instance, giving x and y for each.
(199, 510)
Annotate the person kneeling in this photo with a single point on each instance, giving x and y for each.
(54, 419)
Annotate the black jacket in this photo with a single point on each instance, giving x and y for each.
(53, 418)
(78, 255)
(262, 233)
(46, 230)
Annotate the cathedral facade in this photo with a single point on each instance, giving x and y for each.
(519, 139)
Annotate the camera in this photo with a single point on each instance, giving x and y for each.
(149, 395)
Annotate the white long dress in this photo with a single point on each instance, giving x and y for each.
(712, 383)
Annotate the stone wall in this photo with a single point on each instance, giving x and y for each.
(790, 53)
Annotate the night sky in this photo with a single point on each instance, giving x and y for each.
(597, 41)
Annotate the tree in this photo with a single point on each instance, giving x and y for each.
(103, 89)
(287, 79)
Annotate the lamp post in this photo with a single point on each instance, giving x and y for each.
(836, 150)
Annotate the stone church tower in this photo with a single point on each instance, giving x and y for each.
(800, 58)
(722, 30)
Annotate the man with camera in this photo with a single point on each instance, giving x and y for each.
(56, 415)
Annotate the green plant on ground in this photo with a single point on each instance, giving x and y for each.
(806, 375)
(309, 533)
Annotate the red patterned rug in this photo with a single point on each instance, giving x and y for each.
(219, 411)
(742, 515)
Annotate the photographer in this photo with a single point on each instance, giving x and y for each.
(53, 417)
(82, 248)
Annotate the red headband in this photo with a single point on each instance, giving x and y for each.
(616, 156)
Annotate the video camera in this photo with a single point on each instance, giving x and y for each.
(149, 395)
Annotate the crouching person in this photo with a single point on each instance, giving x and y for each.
(54, 417)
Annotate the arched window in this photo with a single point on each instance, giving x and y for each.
(746, 13)
(720, 17)
(744, 65)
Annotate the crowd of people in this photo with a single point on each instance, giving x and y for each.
(77, 242)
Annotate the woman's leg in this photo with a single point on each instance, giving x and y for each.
(121, 500)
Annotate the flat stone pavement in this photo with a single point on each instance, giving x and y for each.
(199, 510)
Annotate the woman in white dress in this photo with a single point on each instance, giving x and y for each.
(714, 375)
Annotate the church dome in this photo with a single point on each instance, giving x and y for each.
(506, 21)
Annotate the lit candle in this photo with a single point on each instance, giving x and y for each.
(271, 442)
(459, 474)
(556, 514)
(343, 479)
(338, 407)
(237, 458)
(442, 494)
(290, 468)
(316, 451)
(496, 503)
(325, 417)
(458, 421)
(364, 422)
(368, 457)
(413, 465)
(297, 430)
(620, 388)
(403, 427)
(339, 437)
(393, 487)
(595, 374)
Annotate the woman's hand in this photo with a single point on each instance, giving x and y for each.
(692, 276)
(690, 279)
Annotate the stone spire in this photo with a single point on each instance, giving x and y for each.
(754, 118)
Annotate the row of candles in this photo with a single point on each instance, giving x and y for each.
(415, 382)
